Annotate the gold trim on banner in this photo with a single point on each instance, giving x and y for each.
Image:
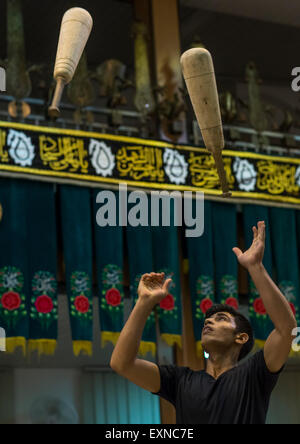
(160, 144)
(241, 194)
(199, 350)
(147, 347)
(172, 339)
(42, 346)
(109, 336)
(85, 347)
(14, 343)
(80, 133)
(84, 179)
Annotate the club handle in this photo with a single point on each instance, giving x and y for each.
(221, 171)
(53, 109)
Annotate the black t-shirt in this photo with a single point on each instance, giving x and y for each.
(238, 396)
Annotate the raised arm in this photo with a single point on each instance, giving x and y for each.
(152, 289)
(278, 344)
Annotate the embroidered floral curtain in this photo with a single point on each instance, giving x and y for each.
(41, 235)
(76, 223)
(109, 265)
(140, 259)
(166, 259)
(260, 321)
(286, 255)
(14, 281)
(28, 261)
(224, 225)
(201, 274)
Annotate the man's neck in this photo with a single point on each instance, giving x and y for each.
(219, 363)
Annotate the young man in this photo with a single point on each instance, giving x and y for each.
(225, 392)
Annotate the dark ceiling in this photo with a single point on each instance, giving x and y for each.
(110, 37)
(233, 40)
(272, 11)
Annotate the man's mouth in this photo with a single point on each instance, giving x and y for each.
(206, 330)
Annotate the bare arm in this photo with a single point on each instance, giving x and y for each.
(152, 289)
(278, 344)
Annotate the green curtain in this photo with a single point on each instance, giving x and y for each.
(109, 263)
(75, 206)
(260, 321)
(111, 399)
(285, 254)
(139, 245)
(41, 234)
(14, 253)
(224, 239)
(166, 259)
(201, 274)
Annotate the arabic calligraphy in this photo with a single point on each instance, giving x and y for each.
(139, 162)
(204, 173)
(64, 153)
(276, 178)
(3, 154)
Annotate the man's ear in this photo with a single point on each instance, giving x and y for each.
(242, 338)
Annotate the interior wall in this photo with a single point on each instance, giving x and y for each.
(20, 388)
(31, 385)
(6, 396)
(284, 404)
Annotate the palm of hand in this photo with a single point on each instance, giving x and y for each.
(254, 255)
(153, 286)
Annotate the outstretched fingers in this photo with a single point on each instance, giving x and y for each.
(153, 280)
(237, 251)
(261, 230)
(166, 285)
(255, 233)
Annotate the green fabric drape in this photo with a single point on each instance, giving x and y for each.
(285, 254)
(109, 262)
(14, 282)
(166, 259)
(201, 274)
(75, 204)
(139, 245)
(260, 321)
(42, 267)
(111, 399)
(226, 267)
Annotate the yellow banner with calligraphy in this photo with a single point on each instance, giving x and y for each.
(89, 158)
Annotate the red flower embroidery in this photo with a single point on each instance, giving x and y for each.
(44, 304)
(206, 304)
(232, 302)
(113, 297)
(168, 303)
(293, 308)
(82, 304)
(11, 300)
(259, 307)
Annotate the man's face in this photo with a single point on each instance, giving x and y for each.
(218, 331)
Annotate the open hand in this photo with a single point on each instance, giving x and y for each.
(153, 287)
(254, 255)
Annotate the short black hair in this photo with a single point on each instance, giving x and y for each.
(242, 325)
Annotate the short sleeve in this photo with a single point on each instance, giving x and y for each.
(258, 367)
(170, 377)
